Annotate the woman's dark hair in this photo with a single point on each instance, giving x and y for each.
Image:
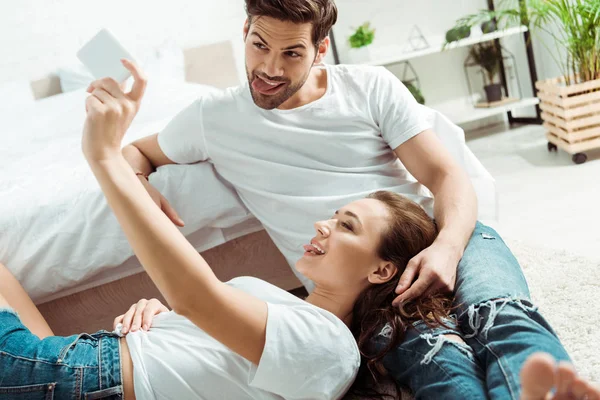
(321, 13)
(410, 231)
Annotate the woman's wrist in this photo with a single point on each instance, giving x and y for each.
(109, 163)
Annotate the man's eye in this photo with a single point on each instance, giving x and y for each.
(260, 46)
(293, 54)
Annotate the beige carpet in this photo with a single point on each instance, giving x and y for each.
(566, 287)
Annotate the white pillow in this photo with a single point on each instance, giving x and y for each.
(15, 97)
(73, 77)
(164, 63)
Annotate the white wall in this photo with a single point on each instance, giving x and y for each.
(441, 75)
(545, 53)
(37, 36)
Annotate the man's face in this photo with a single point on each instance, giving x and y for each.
(279, 57)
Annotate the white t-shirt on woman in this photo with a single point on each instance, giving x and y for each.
(309, 354)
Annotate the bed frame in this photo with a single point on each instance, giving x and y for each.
(253, 254)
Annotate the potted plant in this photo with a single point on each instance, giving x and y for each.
(488, 56)
(415, 91)
(489, 26)
(571, 102)
(359, 41)
(458, 33)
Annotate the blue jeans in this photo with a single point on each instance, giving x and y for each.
(495, 318)
(75, 367)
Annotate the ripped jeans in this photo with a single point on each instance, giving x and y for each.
(495, 318)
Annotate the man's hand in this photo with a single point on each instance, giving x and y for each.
(435, 270)
(162, 203)
(140, 315)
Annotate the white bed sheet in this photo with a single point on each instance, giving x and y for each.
(57, 233)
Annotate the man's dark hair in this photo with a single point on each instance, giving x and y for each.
(321, 13)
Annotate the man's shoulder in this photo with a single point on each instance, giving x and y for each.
(364, 78)
(358, 71)
(224, 99)
(228, 94)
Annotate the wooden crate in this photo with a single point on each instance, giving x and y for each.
(571, 114)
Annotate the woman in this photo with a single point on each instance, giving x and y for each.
(308, 350)
(244, 339)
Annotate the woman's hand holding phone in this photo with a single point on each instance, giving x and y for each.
(110, 112)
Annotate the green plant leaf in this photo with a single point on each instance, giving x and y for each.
(488, 57)
(415, 91)
(576, 21)
(363, 36)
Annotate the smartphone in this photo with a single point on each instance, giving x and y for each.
(102, 56)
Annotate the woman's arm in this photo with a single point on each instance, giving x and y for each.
(231, 316)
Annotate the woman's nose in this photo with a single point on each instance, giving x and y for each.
(322, 228)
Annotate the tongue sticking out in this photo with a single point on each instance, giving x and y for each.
(263, 87)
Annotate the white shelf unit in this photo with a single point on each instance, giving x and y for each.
(436, 45)
(460, 111)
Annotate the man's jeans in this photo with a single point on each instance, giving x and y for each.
(497, 321)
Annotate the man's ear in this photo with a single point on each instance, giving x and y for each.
(322, 50)
(246, 28)
(382, 273)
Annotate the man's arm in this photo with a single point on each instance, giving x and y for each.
(145, 155)
(455, 212)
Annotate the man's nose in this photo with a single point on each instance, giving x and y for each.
(273, 66)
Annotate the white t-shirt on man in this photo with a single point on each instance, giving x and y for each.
(294, 167)
(309, 354)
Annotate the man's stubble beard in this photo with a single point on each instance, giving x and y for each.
(272, 102)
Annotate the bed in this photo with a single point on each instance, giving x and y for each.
(58, 235)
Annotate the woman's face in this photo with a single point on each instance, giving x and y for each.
(343, 254)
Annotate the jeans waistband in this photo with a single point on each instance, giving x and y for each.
(109, 366)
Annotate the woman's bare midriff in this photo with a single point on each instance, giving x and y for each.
(127, 371)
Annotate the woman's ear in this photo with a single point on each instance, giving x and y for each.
(383, 273)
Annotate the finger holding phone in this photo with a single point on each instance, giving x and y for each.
(110, 113)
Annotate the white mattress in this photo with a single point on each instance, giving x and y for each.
(57, 234)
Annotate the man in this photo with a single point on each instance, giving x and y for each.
(301, 139)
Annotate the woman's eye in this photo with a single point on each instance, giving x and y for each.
(347, 226)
